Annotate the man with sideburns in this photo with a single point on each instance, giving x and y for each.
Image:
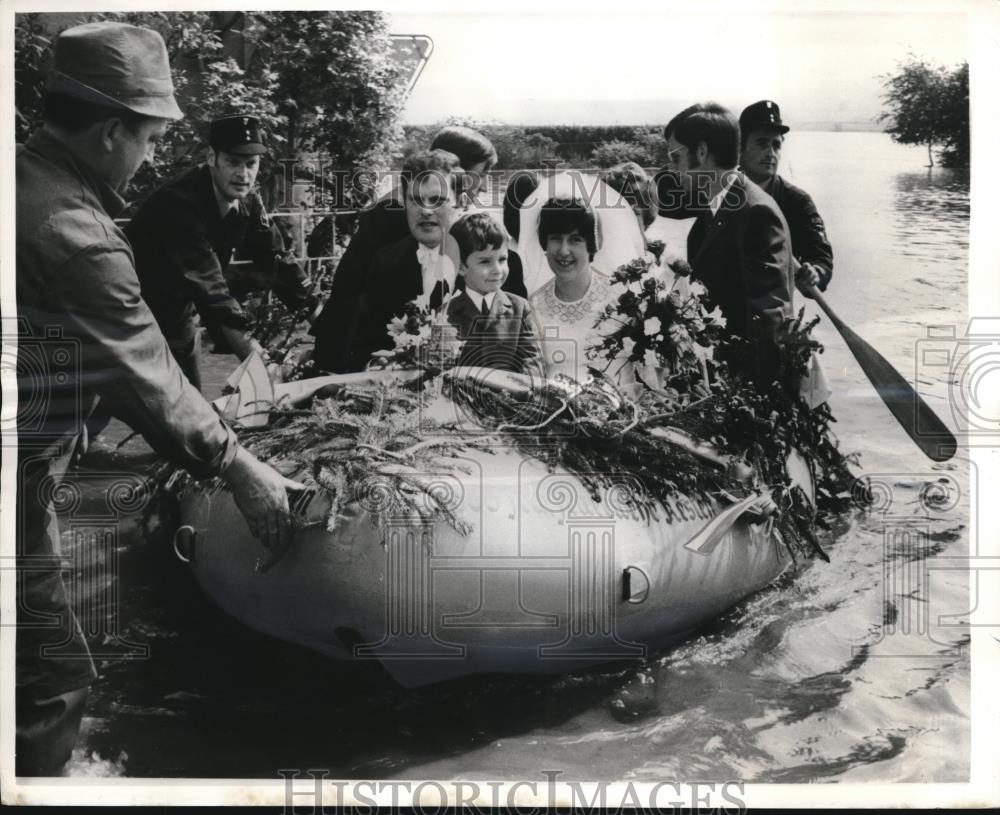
(186, 235)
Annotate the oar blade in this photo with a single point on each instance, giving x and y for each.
(915, 416)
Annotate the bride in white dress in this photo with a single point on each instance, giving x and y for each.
(619, 238)
(566, 307)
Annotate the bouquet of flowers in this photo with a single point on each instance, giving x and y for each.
(422, 338)
(660, 325)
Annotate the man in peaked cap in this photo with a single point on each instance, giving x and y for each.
(738, 245)
(762, 134)
(188, 231)
(88, 335)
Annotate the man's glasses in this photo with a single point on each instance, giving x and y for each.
(672, 155)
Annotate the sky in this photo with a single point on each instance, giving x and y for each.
(624, 66)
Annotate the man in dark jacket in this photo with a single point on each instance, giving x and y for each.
(186, 234)
(739, 245)
(762, 135)
(86, 334)
(380, 226)
(413, 266)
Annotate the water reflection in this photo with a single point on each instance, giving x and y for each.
(931, 218)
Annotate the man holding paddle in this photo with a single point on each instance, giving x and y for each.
(762, 135)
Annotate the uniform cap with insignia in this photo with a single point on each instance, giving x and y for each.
(240, 135)
(762, 115)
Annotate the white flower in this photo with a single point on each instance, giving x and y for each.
(424, 333)
(652, 326)
(404, 340)
(650, 360)
(423, 301)
(678, 334)
(696, 288)
(716, 316)
(628, 345)
(397, 325)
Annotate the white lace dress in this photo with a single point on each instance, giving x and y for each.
(566, 329)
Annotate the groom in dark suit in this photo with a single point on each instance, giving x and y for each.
(739, 246)
(412, 267)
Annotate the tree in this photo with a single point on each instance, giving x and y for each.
(30, 66)
(336, 84)
(610, 153)
(929, 106)
(955, 112)
(206, 83)
(324, 83)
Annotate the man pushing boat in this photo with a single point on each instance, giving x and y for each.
(109, 101)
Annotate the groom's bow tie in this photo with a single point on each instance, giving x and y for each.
(427, 256)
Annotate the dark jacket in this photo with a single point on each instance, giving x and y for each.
(183, 248)
(504, 339)
(743, 256)
(809, 241)
(378, 227)
(394, 279)
(84, 332)
(76, 276)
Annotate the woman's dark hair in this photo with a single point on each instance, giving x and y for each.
(521, 185)
(428, 162)
(631, 181)
(713, 124)
(469, 145)
(72, 115)
(476, 232)
(561, 216)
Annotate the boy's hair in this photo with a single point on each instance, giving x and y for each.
(713, 124)
(471, 146)
(631, 181)
(521, 185)
(428, 162)
(561, 216)
(74, 116)
(476, 232)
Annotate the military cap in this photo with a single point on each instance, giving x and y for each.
(761, 115)
(240, 135)
(117, 65)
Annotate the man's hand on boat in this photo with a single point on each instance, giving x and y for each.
(260, 493)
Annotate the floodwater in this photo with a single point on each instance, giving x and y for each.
(856, 670)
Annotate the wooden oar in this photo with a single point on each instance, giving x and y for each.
(915, 416)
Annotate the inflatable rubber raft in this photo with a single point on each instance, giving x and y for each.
(551, 578)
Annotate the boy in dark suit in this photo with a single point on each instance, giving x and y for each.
(496, 327)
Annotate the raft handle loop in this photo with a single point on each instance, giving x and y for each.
(184, 539)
